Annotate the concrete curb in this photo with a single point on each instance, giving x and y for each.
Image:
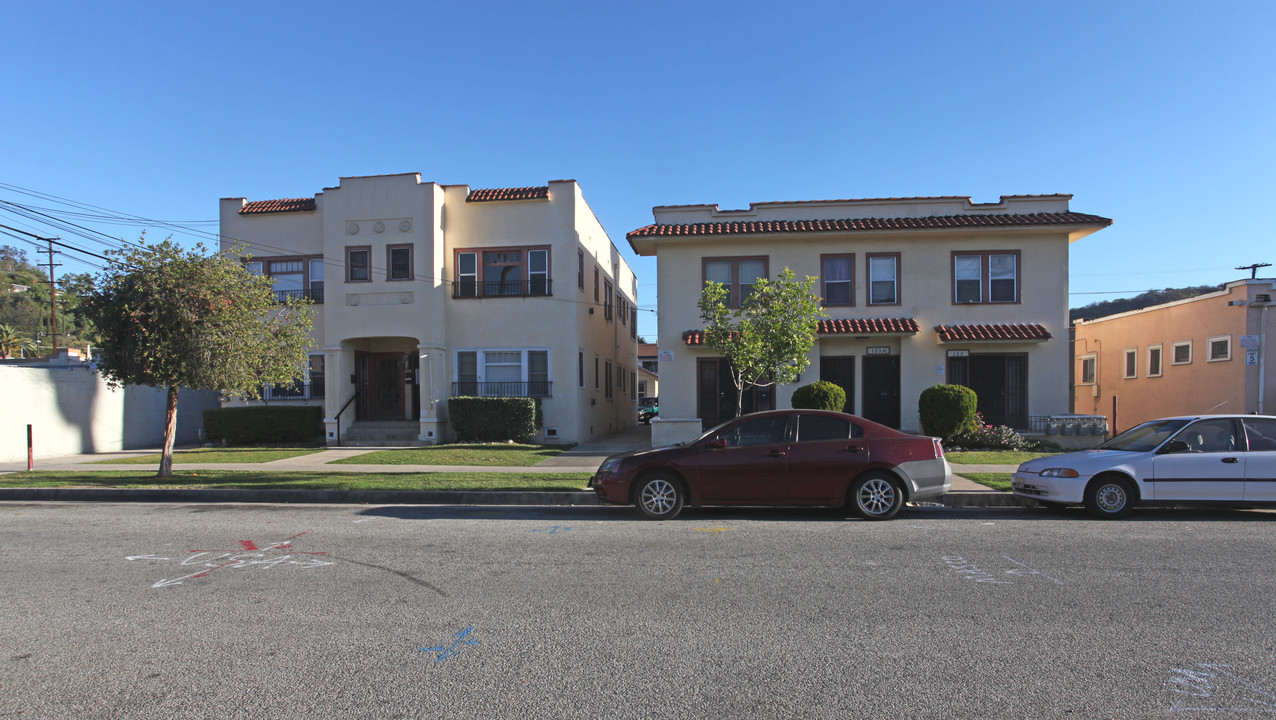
(397, 497)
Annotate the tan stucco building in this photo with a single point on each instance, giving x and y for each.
(425, 291)
(1205, 354)
(918, 291)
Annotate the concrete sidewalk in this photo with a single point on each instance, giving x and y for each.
(584, 458)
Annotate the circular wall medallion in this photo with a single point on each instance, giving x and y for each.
(405, 226)
(352, 299)
(352, 228)
(379, 227)
(405, 298)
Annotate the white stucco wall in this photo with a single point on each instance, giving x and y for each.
(72, 411)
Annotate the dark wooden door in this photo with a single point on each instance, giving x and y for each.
(840, 370)
(379, 379)
(716, 393)
(1001, 384)
(881, 389)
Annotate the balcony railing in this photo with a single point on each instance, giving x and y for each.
(534, 388)
(470, 288)
(296, 391)
(314, 295)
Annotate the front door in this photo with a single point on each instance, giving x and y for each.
(881, 389)
(716, 394)
(1000, 382)
(379, 379)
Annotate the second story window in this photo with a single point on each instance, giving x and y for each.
(883, 279)
(399, 260)
(985, 277)
(607, 300)
(836, 272)
(504, 272)
(358, 264)
(738, 275)
(292, 277)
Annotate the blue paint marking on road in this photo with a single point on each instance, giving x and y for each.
(554, 529)
(448, 652)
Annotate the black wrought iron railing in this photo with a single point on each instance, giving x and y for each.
(534, 388)
(296, 391)
(314, 295)
(471, 288)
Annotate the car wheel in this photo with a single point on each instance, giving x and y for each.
(659, 497)
(1109, 498)
(876, 496)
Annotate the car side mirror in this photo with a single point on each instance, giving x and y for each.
(1174, 446)
(718, 444)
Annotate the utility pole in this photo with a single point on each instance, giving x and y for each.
(53, 299)
(1253, 269)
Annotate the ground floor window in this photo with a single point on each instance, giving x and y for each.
(1000, 381)
(502, 373)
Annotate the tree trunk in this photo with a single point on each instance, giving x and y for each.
(170, 432)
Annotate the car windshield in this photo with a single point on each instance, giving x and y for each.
(1145, 437)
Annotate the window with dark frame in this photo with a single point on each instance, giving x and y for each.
(836, 279)
(607, 300)
(399, 262)
(990, 276)
(291, 277)
(883, 278)
(502, 272)
(739, 275)
(1088, 365)
(580, 269)
(358, 264)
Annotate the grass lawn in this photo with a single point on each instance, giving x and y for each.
(996, 481)
(993, 457)
(478, 454)
(219, 455)
(243, 480)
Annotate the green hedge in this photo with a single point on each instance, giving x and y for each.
(945, 410)
(820, 395)
(264, 424)
(494, 419)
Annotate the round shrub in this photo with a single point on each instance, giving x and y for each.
(945, 410)
(819, 395)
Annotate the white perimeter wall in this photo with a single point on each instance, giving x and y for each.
(72, 411)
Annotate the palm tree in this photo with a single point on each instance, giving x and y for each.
(13, 342)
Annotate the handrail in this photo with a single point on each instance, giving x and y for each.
(343, 409)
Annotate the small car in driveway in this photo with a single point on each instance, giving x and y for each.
(781, 457)
(1228, 459)
(648, 408)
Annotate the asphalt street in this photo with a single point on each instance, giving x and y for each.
(274, 611)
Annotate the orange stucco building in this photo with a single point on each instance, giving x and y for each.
(1210, 353)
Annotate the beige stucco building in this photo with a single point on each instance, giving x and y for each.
(1205, 354)
(425, 291)
(918, 291)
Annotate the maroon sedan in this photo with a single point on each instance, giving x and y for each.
(781, 457)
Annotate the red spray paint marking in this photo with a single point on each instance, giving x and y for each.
(248, 544)
(232, 562)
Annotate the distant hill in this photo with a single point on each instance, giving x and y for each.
(1104, 308)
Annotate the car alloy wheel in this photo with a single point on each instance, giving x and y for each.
(877, 497)
(659, 497)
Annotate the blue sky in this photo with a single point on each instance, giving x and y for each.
(1159, 115)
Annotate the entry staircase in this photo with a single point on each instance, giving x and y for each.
(382, 433)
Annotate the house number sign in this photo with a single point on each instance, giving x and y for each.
(879, 351)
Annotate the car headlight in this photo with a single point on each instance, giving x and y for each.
(609, 465)
(1059, 472)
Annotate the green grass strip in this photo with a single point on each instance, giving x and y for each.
(993, 457)
(219, 455)
(996, 481)
(245, 480)
(473, 455)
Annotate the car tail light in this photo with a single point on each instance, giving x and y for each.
(939, 448)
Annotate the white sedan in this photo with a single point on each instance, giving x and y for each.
(1191, 459)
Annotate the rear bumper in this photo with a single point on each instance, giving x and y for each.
(927, 478)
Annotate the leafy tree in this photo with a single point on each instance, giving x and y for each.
(173, 318)
(24, 300)
(767, 338)
(14, 342)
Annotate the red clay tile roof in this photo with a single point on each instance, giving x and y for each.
(1017, 331)
(869, 224)
(258, 207)
(494, 194)
(868, 326)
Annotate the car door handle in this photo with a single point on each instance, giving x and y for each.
(853, 449)
(1230, 460)
(778, 453)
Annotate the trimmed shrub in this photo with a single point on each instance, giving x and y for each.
(264, 424)
(945, 410)
(494, 419)
(819, 395)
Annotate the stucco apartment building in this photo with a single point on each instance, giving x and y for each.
(425, 291)
(1210, 353)
(918, 291)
